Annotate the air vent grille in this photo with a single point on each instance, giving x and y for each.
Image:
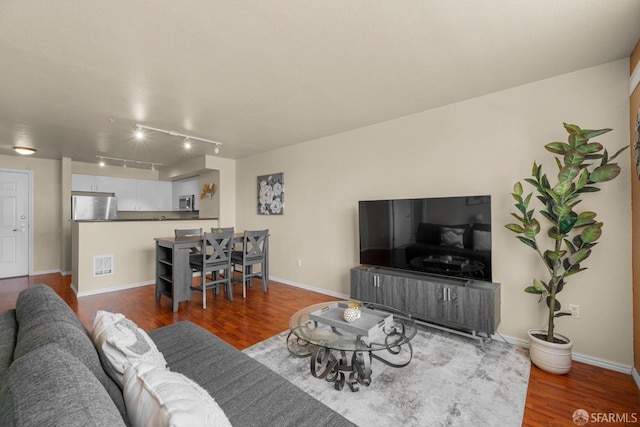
(102, 265)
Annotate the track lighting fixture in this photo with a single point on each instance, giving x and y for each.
(102, 162)
(187, 138)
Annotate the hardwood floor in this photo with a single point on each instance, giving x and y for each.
(551, 399)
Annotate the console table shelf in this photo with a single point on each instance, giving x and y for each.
(465, 306)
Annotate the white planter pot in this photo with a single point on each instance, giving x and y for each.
(550, 357)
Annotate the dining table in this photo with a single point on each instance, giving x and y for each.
(174, 275)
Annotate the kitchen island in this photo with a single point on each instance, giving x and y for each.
(119, 254)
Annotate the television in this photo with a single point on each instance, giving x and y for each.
(448, 236)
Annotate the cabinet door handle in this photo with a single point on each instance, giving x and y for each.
(449, 293)
(444, 294)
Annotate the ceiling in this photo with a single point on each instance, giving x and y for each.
(76, 76)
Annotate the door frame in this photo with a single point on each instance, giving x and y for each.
(30, 210)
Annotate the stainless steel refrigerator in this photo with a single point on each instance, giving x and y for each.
(94, 208)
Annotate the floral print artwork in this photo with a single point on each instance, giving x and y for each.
(271, 194)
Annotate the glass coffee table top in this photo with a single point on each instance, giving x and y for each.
(338, 347)
(378, 328)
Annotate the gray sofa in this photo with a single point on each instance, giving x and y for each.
(51, 374)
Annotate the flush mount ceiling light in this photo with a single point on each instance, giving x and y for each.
(125, 161)
(25, 151)
(187, 138)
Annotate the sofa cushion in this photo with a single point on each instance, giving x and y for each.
(39, 305)
(8, 333)
(248, 392)
(50, 387)
(120, 343)
(158, 397)
(61, 329)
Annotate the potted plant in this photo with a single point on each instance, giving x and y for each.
(570, 234)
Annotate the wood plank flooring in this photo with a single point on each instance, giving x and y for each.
(551, 399)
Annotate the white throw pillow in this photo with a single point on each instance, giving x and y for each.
(120, 343)
(159, 397)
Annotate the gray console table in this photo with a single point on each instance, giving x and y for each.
(464, 306)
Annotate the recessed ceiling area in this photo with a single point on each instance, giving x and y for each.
(77, 76)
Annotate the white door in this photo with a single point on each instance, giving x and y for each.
(14, 224)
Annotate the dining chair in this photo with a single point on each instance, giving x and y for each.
(255, 252)
(185, 232)
(215, 259)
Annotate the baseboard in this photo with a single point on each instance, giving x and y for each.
(37, 273)
(112, 289)
(309, 288)
(589, 360)
(636, 377)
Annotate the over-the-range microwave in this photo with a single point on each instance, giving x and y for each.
(186, 202)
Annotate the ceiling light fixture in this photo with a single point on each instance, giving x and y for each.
(187, 143)
(25, 151)
(125, 161)
(181, 135)
(139, 134)
(101, 162)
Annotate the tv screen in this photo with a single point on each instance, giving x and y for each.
(448, 236)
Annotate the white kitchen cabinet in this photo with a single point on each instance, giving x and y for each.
(126, 190)
(154, 195)
(94, 183)
(132, 194)
(81, 182)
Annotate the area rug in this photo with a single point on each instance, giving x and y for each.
(451, 381)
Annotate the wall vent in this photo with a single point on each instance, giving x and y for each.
(102, 265)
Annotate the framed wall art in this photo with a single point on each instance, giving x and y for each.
(271, 194)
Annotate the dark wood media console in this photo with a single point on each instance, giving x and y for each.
(464, 306)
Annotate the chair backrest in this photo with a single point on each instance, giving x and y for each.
(256, 244)
(188, 232)
(217, 246)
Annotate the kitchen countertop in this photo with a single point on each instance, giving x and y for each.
(144, 219)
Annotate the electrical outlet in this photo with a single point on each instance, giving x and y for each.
(575, 311)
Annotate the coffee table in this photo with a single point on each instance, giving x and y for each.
(339, 348)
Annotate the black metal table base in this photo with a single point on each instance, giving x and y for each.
(342, 366)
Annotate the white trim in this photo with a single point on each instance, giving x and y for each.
(589, 360)
(111, 289)
(636, 377)
(37, 273)
(309, 288)
(634, 80)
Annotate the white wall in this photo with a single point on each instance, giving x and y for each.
(479, 146)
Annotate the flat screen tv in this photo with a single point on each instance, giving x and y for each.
(448, 236)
